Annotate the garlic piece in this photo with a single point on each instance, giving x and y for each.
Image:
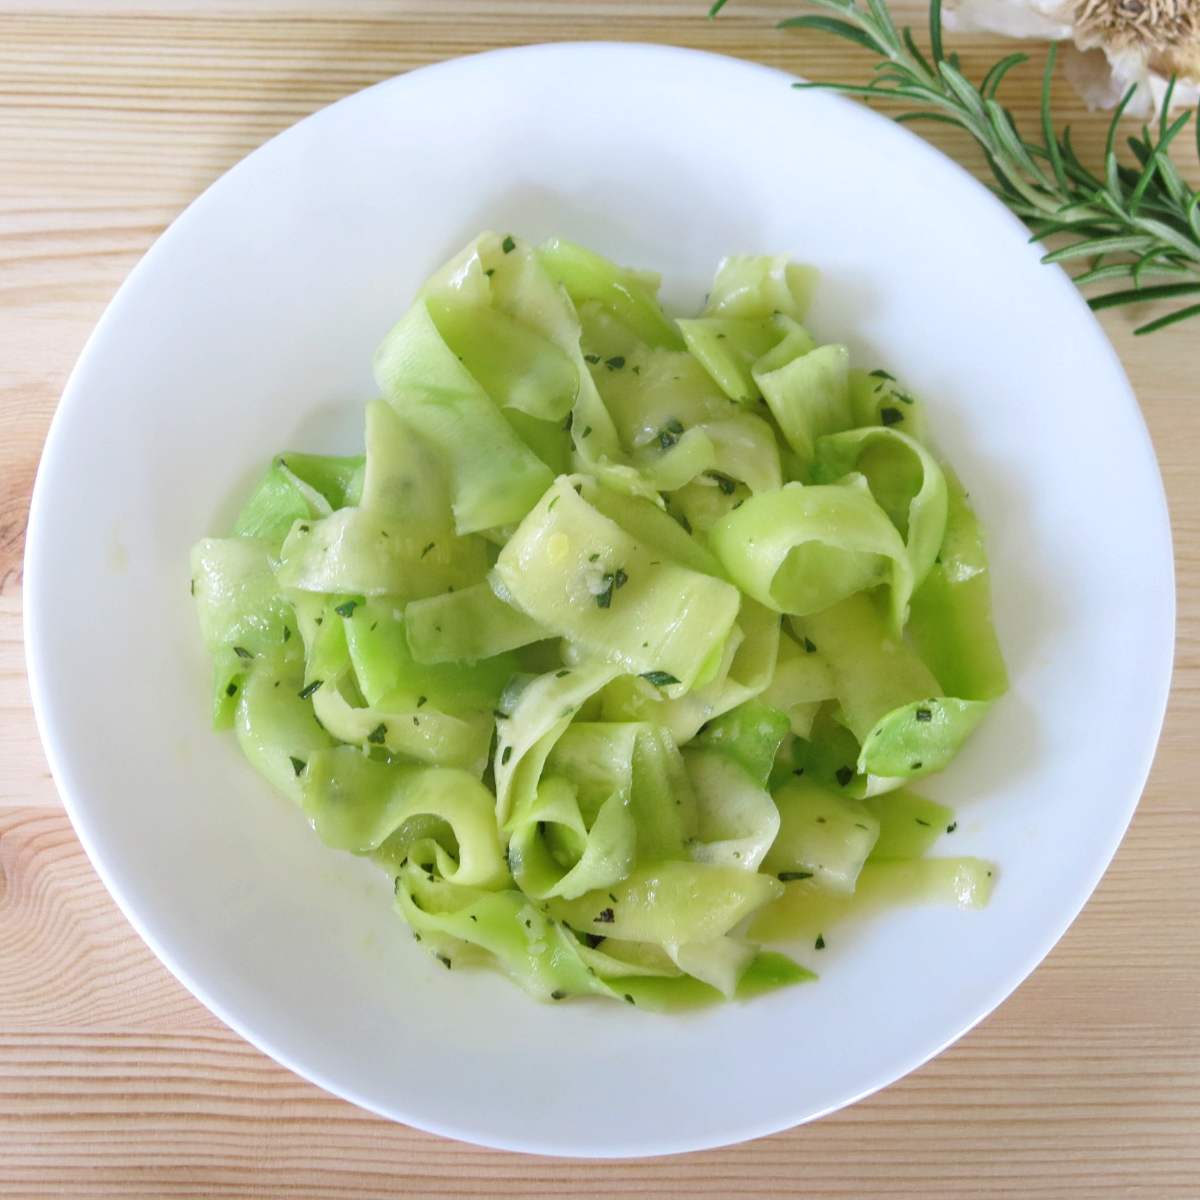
(1114, 43)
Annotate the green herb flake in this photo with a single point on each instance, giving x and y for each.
(629, 999)
(917, 766)
(587, 431)
(242, 652)
(843, 775)
(810, 647)
(557, 995)
(231, 689)
(428, 546)
(444, 961)
(287, 632)
(422, 701)
(891, 416)
(606, 917)
(377, 734)
(298, 764)
(820, 942)
(506, 756)
(591, 358)
(593, 939)
(727, 485)
(790, 876)
(490, 272)
(880, 373)
(952, 827)
(659, 678)
(921, 821)
(615, 363)
(594, 557)
(308, 690)
(346, 609)
(562, 674)
(508, 245)
(924, 714)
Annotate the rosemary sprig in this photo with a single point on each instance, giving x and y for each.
(1131, 221)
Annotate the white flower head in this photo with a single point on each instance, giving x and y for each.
(1114, 43)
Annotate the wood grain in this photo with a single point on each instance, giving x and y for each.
(115, 1082)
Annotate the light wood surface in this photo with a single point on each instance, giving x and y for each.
(115, 1082)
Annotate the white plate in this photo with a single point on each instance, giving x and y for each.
(250, 327)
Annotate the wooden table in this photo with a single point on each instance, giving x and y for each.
(114, 1081)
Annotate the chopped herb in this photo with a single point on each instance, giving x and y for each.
(891, 416)
(612, 897)
(422, 700)
(924, 714)
(591, 358)
(726, 484)
(490, 272)
(231, 690)
(377, 734)
(429, 546)
(473, 917)
(637, 370)
(606, 917)
(593, 939)
(798, 771)
(789, 876)
(880, 373)
(904, 398)
(820, 820)
(952, 827)
(810, 646)
(578, 489)
(320, 621)
(242, 652)
(303, 528)
(568, 421)
(528, 923)
(416, 935)
(687, 525)
(916, 766)
(553, 502)
(417, 721)
(557, 995)
(919, 821)
(659, 678)
(844, 775)
(287, 632)
(346, 609)
(298, 764)
(859, 825)
(739, 504)
(500, 716)
(277, 682)
(604, 598)
(308, 690)
(629, 999)
(506, 756)
(561, 674)
(587, 430)
(193, 587)
(615, 363)
(668, 435)
(620, 579)
(444, 961)
(594, 557)
(508, 245)
(820, 943)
